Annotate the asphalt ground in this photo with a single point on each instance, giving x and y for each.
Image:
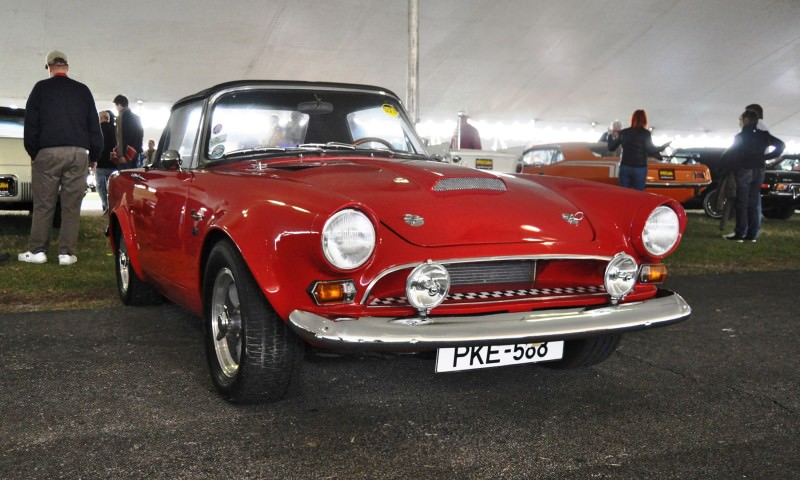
(125, 393)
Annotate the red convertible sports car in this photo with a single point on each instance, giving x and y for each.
(293, 213)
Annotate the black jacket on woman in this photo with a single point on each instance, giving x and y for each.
(637, 145)
(109, 142)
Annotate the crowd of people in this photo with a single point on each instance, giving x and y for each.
(745, 162)
(66, 137)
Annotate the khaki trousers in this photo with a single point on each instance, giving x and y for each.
(58, 173)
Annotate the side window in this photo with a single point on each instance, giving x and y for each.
(181, 132)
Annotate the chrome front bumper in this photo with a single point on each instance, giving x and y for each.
(408, 334)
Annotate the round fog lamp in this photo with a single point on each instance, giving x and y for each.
(427, 286)
(620, 276)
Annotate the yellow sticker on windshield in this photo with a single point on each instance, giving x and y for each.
(390, 110)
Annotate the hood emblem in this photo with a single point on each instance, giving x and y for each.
(413, 220)
(572, 218)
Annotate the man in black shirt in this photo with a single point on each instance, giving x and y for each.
(62, 133)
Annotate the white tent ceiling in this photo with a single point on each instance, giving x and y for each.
(692, 64)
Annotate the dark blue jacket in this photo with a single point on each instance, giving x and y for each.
(749, 149)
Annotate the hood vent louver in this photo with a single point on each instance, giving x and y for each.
(469, 183)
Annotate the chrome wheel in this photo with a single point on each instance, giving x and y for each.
(124, 265)
(226, 322)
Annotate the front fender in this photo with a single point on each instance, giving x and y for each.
(121, 227)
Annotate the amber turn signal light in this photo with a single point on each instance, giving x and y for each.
(656, 273)
(331, 292)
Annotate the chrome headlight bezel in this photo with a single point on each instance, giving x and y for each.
(661, 231)
(348, 239)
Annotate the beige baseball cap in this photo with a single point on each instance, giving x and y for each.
(57, 57)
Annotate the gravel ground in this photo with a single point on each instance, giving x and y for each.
(125, 393)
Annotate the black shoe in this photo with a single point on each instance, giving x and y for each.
(734, 238)
(4, 257)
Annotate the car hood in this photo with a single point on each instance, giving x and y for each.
(436, 204)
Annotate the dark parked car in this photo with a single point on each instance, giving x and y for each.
(780, 192)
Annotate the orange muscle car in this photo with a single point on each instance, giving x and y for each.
(593, 161)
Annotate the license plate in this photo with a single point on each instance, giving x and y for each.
(484, 163)
(485, 356)
(666, 174)
(6, 188)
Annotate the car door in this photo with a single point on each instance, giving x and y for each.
(161, 219)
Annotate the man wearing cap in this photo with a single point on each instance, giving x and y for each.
(62, 133)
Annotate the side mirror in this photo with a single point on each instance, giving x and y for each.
(171, 160)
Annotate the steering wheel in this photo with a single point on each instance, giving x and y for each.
(364, 140)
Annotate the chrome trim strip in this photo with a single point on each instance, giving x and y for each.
(677, 185)
(398, 334)
(535, 258)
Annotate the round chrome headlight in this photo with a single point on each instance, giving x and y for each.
(427, 286)
(348, 239)
(661, 231)
(620, 276)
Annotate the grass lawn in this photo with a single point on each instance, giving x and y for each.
(91, 282)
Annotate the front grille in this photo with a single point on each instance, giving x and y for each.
(502, 281)
(482, 273)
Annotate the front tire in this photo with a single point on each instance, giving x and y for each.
(252, 354)
(132, 289)
(586, 351)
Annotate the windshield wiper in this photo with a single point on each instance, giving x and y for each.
(326, 146)
(253, 151)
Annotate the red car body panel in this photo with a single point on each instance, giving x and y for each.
(275, 217)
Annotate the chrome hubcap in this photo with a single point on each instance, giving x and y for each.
(226, 322)
(124, 269)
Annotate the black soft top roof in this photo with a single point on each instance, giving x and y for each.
(299, 84)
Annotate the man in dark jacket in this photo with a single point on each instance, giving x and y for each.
(129, 134)
(62, 133)
(748, 154)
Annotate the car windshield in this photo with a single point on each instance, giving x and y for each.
(280, 120)
(787, 165)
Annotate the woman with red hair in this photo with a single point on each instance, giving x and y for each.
(637, 146)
